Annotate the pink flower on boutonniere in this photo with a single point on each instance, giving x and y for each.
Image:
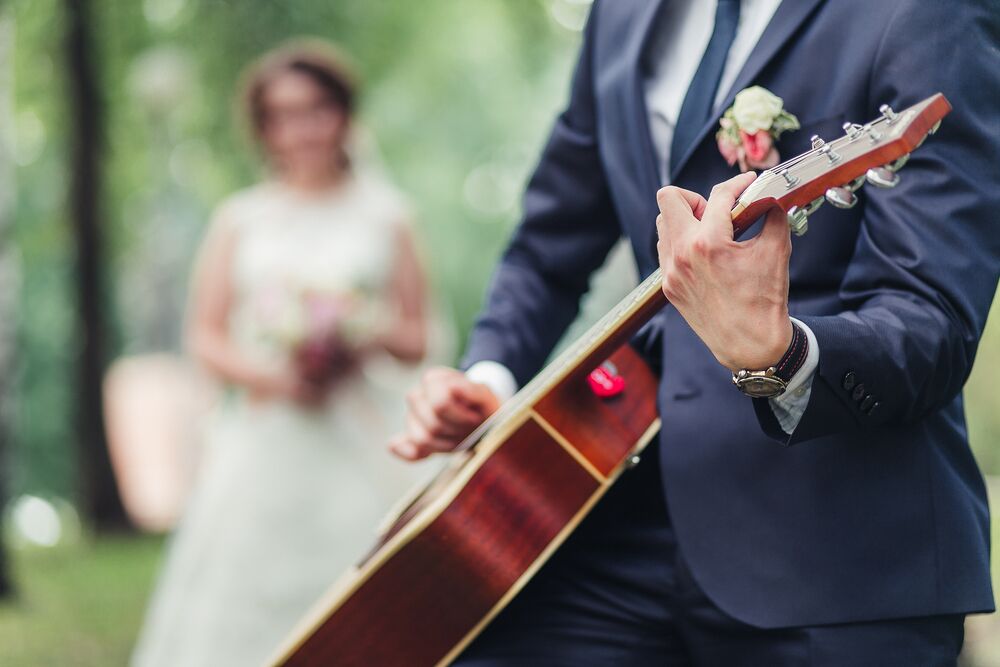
(749, 128)
(730, 151)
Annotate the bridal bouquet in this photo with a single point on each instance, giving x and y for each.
(321, 330)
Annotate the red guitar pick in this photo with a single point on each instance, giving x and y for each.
(605, 381)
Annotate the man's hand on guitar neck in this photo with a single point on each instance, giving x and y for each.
(444, 408)
(733, 294)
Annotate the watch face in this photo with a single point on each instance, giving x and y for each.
(761, 386)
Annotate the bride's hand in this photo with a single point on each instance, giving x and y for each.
(288, 383)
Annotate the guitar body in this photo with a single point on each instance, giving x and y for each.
(472, 540)
(460, 551)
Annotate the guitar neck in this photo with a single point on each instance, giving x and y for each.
(613, 330)
(605, 336)
(829, 171)
(638, 307)
(627, 317)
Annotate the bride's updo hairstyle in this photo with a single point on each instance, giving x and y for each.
(315, 59)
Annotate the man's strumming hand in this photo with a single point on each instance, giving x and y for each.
(444, 408)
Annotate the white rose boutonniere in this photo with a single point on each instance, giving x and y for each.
(749, 128)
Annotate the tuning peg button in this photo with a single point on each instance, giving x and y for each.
(798, 221)
(853, 130)
(790, 179)
(841, 197)
(828, 152)
(898, 163)
(813, 205)
(882, 177)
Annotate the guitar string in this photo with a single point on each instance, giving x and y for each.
(840, 142)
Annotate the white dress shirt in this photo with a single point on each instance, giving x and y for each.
(671, 60)
(674, 53)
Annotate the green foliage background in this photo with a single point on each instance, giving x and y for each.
(459, 94)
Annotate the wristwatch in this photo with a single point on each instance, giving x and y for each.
(774, 380)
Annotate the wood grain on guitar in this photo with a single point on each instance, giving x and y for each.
(461, 550)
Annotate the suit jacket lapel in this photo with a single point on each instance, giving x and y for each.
(642, 143)
(789, 16)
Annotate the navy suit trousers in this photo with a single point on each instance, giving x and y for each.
(619, 593)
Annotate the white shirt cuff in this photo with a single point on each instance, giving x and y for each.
(495, 376)
(791, 405)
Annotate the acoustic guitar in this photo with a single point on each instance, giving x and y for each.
(515, 489)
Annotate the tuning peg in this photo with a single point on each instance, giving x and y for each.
(888, 113)
(934, 128)
(813, 205)
(873, 134)
(817, 141)
(897, 164)
(852, 129)
(882, 177)
(841, 197)
(828, 152)
(798, 221)
(790, 179)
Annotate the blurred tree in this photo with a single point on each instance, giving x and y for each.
(99, 493)
(8, 272)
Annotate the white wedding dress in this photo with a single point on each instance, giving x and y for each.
(287, 498)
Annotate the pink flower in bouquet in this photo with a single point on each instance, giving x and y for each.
(758, 150)
(323, 314)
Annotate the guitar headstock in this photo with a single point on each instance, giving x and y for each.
(833, 171)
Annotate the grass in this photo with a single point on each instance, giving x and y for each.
(79, 605)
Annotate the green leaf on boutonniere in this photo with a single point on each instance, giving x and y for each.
(784, 122)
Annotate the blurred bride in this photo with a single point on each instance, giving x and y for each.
(304, 285)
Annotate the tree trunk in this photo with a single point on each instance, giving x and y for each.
(99, 494)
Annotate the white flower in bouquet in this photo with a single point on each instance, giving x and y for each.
(280, 316)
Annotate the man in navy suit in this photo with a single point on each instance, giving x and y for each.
(865, 543)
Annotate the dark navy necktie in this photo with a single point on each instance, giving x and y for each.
(700, 96)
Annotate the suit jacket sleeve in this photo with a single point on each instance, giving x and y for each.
(924, 272)
(567, 230)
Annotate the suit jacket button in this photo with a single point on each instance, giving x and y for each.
(849, 380)
(873, 409)
(859, 392)
(868, 403)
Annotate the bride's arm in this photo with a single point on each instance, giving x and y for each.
(405, 337)
(207, 332)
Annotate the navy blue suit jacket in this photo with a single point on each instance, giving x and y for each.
(872, 515)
